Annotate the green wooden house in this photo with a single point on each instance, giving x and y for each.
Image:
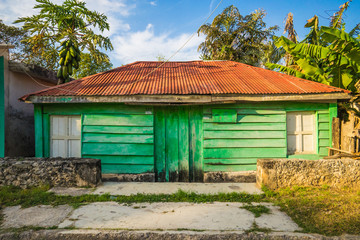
(181, 120)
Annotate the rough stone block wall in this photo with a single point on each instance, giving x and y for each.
(66, 172)
(280, 173)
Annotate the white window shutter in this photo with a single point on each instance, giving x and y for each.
(300, 128)
(65, 136)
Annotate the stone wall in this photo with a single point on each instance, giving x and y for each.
(280, 173)
(66, 172)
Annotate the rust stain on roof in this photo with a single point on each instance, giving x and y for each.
(187, 78)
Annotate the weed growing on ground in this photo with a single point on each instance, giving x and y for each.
(256, 228)
(12, 196)
(257, 210)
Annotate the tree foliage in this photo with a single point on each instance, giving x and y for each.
(90, 65)
(337, 63)
(57, 28)
(328, 54)
(232, 36)
(13, 35)
(22, 52)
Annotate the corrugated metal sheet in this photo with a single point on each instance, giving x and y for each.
(184, 78)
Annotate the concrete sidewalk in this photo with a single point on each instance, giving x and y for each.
(212, 218)
(216, 216)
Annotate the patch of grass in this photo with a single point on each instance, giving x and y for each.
(12, 196)
(324, 210)
(256, 228)
(257, 210)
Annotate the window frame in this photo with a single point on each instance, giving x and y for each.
(67, 137)
(301, 133)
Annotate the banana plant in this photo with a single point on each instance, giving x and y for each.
(336, 63)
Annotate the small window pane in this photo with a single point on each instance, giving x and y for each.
(58, 126)
(308, 143)
(74, 126)
(307, 122)
(292, 144)
(58, 148)
(74, 148)
(291, 122)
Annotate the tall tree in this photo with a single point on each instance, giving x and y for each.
(62, 32)
(90, 65)
(22, 52)
(13, 35)
(232, 36)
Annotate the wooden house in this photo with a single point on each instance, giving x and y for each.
(181, 120)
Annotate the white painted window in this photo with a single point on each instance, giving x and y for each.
(300, 132)
(65, 134)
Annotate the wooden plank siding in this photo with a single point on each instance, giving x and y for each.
(324, 127)
(120, 152)
(2, 106)
(259, 132)
(134, 139)
(121, 136)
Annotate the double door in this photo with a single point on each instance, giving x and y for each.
(178, 144)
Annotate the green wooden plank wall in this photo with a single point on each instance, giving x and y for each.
(324, 127)
(236, 146)
(121, 136)
(2, 108)
(128, 149)
(259, 131)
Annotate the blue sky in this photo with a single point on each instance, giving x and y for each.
(145, 29)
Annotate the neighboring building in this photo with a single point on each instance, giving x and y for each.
(181, 119)
(17, 118)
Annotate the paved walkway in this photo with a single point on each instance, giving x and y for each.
(155, 216)
(191, 217)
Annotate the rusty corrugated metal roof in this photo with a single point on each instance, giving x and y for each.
(187, 78)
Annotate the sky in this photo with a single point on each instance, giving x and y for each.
(145, 29)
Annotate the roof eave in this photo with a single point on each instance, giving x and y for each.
(187, 99)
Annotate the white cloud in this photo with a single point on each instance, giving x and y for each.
(115, 10)
(153, 3)
(145, 45)
(12, 9)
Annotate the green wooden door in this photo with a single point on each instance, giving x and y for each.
(178, 144)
